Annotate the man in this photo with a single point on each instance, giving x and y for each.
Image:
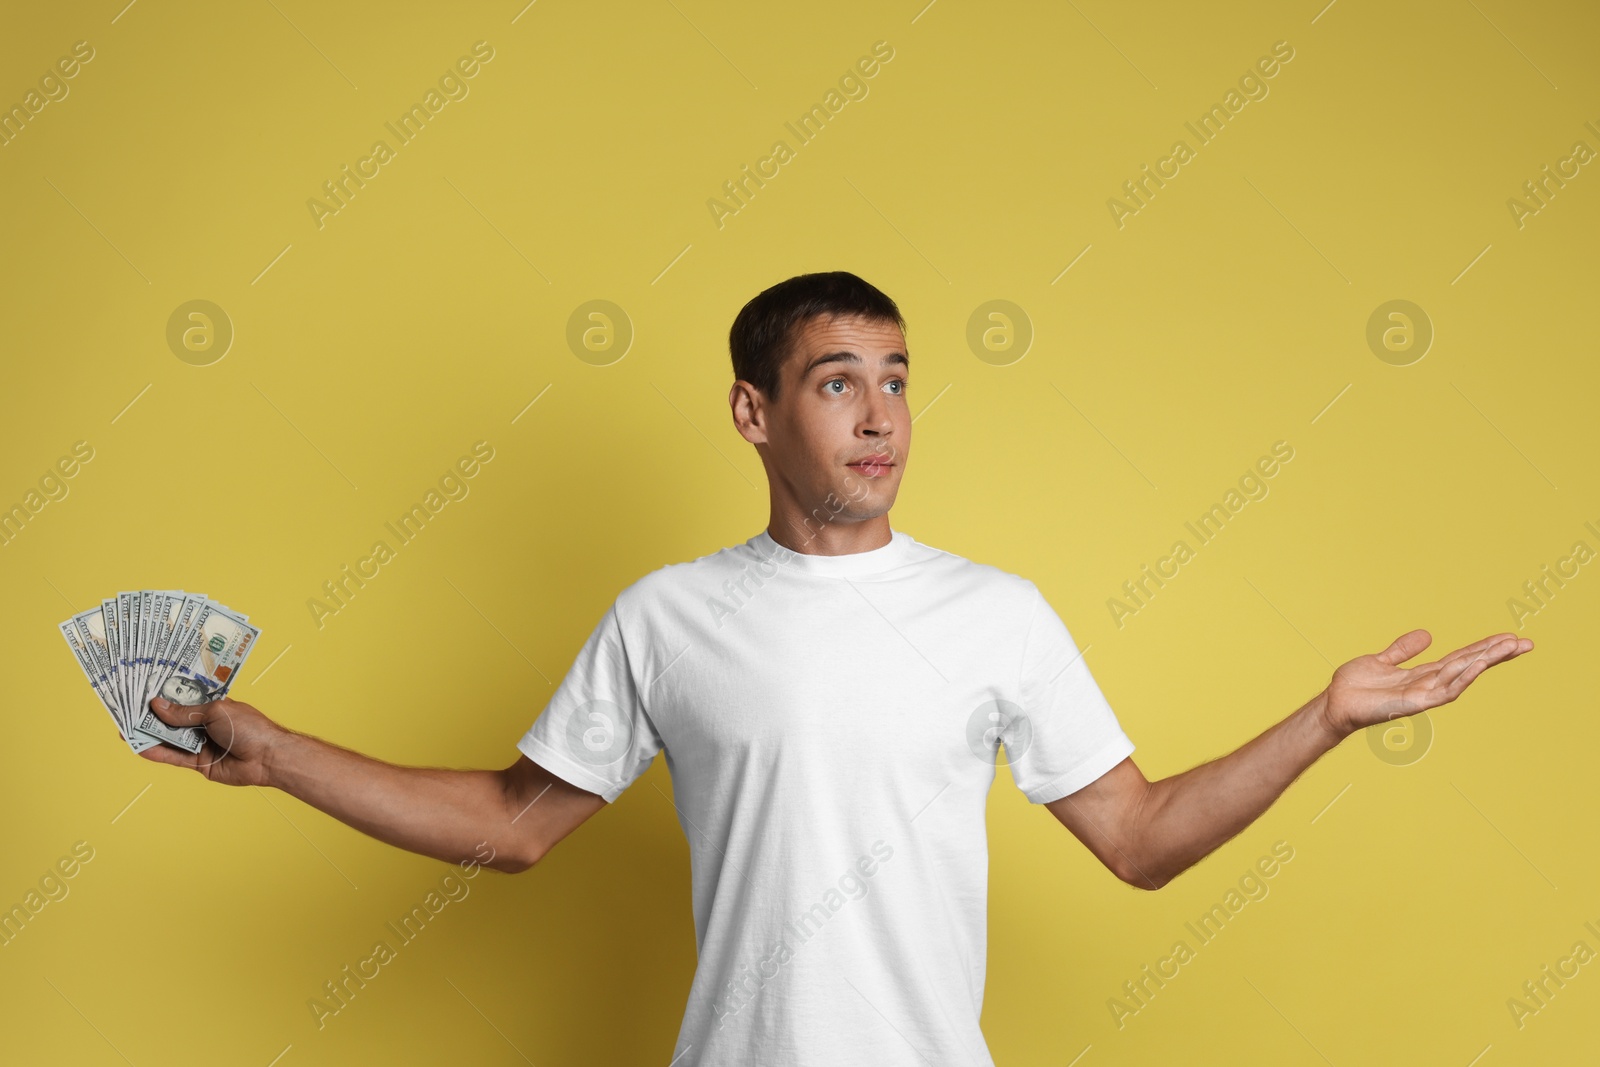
(830, 696)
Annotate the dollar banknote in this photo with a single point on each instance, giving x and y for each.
(146, 643)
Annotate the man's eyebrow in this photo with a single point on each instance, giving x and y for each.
(846, 356)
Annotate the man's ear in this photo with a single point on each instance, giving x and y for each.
(749, 412)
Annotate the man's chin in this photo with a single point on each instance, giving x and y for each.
(874, 506)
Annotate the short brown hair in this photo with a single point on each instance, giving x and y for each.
(763, 332)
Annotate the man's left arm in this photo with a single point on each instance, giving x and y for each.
(1148, 833)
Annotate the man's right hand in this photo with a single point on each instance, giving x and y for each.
(240, 740)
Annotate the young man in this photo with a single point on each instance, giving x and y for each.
(830, 696)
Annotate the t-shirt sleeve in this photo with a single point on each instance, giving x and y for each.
(594, 732)
(1066, 735)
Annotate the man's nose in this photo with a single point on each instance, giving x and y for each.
(877, 418)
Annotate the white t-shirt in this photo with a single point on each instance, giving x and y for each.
(831, 725)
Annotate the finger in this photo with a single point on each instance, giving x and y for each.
(1461, 674)
(166, 754)
(219, 743)
(207, 759)
(1503, 649)
(1503, 646)
(1477, 646)
(1449, 666)
(1467, 676)
(1512, 647)
(1449, 671)
(1404, 647)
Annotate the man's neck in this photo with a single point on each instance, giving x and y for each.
(833, 537)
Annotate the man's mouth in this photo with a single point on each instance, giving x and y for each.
(874, 466)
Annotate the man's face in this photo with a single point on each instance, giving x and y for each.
(841, 399)
(182, 691)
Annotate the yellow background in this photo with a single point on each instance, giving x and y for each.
(430, 311)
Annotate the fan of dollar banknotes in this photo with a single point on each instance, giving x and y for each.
(159, 642)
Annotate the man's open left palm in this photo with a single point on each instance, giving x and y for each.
(1375, 688)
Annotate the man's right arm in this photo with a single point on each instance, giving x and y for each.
(521, 811)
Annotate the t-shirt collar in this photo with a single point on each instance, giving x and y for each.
(848, 565)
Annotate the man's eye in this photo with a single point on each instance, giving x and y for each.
(899, 384)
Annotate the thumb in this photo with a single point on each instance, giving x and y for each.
(180, 714)
(1404, 647)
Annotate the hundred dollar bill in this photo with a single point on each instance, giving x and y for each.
(113, 635)
(80, 652)
(163, 610)
(143, 602)
(179, 616)
(99, 681)
(136, 632)
(127, 638)
(183, 615)
(213, 650)
(90, 626)
(169, 612)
